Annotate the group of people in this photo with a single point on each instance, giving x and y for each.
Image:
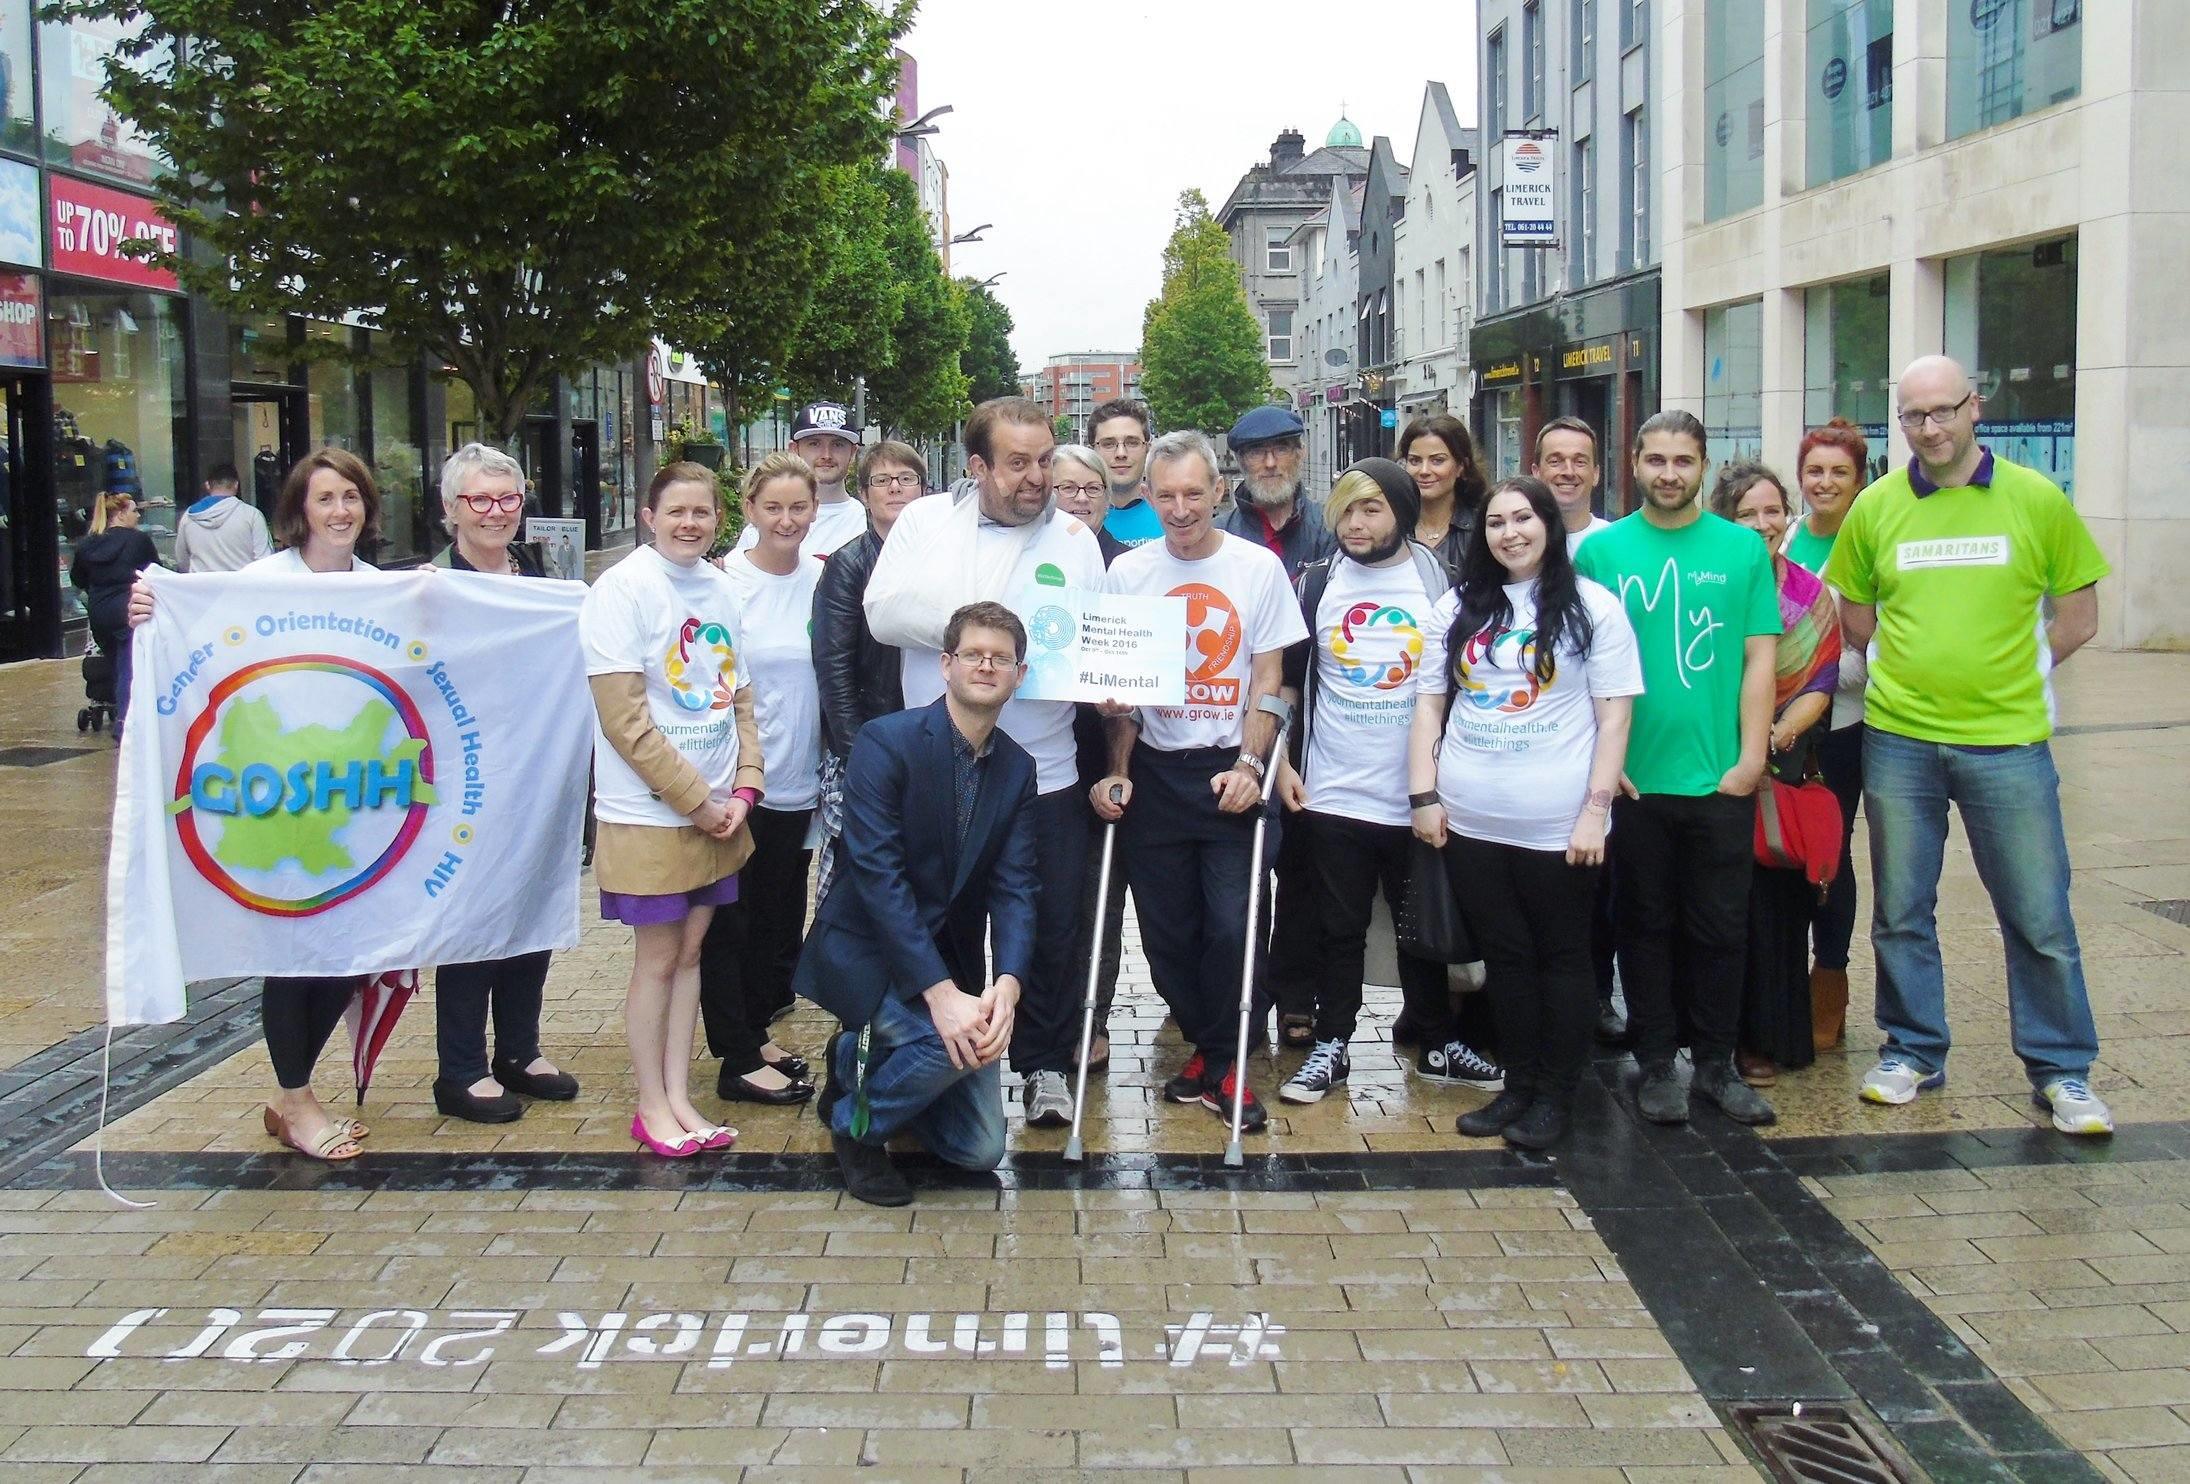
(1577, 714)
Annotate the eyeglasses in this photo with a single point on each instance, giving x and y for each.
(905, 481)
(1940, 416)
(485, 504)
(1276, 448)
(974, 659)
(1122, 445)
(1079, 489)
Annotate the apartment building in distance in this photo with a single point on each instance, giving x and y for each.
(1077, 383)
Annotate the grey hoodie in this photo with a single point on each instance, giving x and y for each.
(220, 534)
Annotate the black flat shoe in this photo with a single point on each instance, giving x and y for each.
(456, 1100)
(797, 1068)
(554, 1087)
(732, 1087)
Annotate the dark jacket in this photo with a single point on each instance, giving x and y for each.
(104, 567)
(860, 679)
(1305, 537)
(909, 908)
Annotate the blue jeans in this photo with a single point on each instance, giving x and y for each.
(2010, 798)
(913, 1088)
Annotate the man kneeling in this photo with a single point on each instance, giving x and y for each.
(938, 848)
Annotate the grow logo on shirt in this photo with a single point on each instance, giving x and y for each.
(702, 667)
(1213, 635)
(1377, 645)
(1512, 648)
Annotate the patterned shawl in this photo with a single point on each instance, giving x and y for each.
(1809, 647)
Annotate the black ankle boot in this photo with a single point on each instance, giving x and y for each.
(1490, 1120)
(1542, 1126)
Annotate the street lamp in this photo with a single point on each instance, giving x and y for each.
(989, 280)
(971, 235)
(923, 126)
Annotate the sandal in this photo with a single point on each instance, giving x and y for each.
(1098, 1055)
(352, 1127)
(1296, 1030)
(324, 1149)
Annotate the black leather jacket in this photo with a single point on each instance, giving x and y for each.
(860, 679)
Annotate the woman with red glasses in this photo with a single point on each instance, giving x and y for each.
(483, 500)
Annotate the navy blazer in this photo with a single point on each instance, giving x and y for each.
(908, 908)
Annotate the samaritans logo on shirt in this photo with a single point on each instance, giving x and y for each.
(1377, 645)
(1953, 551)
(1516, 650)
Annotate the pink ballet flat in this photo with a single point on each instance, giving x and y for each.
(682, 1147)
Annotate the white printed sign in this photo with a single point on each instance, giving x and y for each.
(562, 545)
(1528, 194)
(1091, 646)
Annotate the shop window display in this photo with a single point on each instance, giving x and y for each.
(83, 131)
(18, 130)
(2010, 316)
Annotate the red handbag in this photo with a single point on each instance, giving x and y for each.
(1798, 829)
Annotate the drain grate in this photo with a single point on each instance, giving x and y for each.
(38, 757)
(2176, 910)
(1820, 1443)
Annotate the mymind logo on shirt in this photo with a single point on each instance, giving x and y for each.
(1953, 551)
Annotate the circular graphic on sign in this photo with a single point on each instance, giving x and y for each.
(1835, 78)
(1212, 630)
(1724, 130)
(1528, 157)
(302, 783)
(1052, 627)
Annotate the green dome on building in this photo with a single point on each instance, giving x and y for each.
(1343, 135)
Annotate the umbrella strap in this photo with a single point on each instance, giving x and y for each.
(862, 1116)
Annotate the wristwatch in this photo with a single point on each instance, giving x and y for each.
(1251, 763)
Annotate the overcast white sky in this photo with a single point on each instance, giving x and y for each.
(1075, 126)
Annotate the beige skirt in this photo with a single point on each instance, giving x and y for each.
(654, 860)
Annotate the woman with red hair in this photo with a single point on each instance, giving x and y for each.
(1833, 465)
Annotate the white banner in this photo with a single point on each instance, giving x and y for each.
(1091, 646)
(1528, 194)
(344, 773)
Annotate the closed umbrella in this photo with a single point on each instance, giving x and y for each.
(372, 1015)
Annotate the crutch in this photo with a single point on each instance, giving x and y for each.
(1277, 707)
(1074, 1153)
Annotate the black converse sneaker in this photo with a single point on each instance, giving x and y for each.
(1325, 1068)
(1457, 1064)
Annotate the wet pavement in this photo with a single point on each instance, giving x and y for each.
(1373, 1292)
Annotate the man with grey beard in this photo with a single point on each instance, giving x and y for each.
(1270, 509)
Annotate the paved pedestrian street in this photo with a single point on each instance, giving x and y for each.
(1370, 1298)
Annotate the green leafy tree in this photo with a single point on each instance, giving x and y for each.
(1201, 347)
(1061, 428)
(992, 366)
(520, 190)
(921, 389)
(855, 299)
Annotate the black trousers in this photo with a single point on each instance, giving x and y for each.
(464, 994)
(1683, 867)
(1832, 923)
(1351, 859)
(1296, 937)
(1045, 1034)
(297, 1016)
(1190, 864)
(751, 948)
(1530, 912)
(1603, 937)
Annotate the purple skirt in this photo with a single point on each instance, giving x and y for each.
(637, 910)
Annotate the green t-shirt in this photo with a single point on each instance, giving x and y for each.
(1694, 595)
(1808, 550)
(1957, 577)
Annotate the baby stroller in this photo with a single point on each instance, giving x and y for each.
(98, 689)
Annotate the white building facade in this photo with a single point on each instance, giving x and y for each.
(1329, 248)
(1433, 248)
(1849, 184)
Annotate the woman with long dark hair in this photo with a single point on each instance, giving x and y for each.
(1520, 733)
(1439, 456)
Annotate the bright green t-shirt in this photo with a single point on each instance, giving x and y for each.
(1808, 550)
(1957, 577)
(1694, 595)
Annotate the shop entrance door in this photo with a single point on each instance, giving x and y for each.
(30, 546)
(1590, 399)
(585, 471)
(269, 431)
(543, 461)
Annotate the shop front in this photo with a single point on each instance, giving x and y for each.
(1591, 355)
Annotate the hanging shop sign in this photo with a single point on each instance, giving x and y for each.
(90, 225)
(1528, 196)
(22, 321)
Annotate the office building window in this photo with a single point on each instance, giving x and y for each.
(2010, 316)
(1442, 306)
(1585, 41)
(1494, 73)
(1280, 336)
(1733, 107)
(1634, 190)
(1845, 372)
(1278, 250)
(1634, 22)
(1733, 381)
(1582, 230)
(1532, 39)
(2006, 58)
(1850, 65)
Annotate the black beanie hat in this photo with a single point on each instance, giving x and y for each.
(1398, 487)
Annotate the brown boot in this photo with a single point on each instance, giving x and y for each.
(1828, 1008)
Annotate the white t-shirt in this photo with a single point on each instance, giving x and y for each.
(1062, 554)
(1574, 539)
(679, 627)
(836, 523)
(289, 561)
(1514, 766)
(1238, 605)
(778, 624)
(1368, 649)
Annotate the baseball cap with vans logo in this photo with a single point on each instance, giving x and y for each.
(818, 418)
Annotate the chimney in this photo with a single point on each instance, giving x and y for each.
(1286, 148)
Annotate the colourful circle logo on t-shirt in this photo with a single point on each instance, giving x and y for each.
(1513, 648)
(701, 667)
(1212, 630)
(1365, 624)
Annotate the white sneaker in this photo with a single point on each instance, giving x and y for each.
(2076, 1109)
(1047, 1098)
(1894, 1082)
